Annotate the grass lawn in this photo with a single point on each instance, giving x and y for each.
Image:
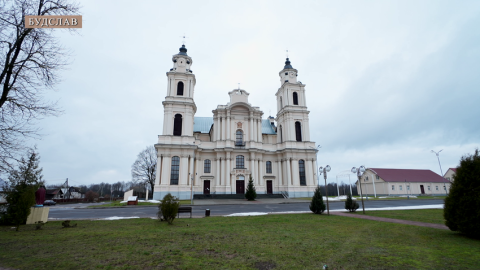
(117, 204)
(424, 215)
(370, 197)
(295, 241)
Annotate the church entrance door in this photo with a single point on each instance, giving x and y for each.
(206, 187)
(240, 186)
(269, 187)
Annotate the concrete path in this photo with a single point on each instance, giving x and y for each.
(392, 220)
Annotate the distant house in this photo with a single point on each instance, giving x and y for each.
(54, 194)
(386, 182)
(450, 174)
(72, 193)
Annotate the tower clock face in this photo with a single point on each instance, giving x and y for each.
(181, 62)
(292, 74)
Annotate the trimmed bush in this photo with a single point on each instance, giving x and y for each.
(350, 204)
(250, 193)
(168, 208)
(316, 205)
(462, 205)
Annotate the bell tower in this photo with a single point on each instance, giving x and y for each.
(179, 106)
(292, 113)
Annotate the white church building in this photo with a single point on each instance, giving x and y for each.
(219, 154)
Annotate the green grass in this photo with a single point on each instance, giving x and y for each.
(370, 197)
(118, 204)
(424, 215)
(296, 241)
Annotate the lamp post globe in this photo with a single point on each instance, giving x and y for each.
(359, 171)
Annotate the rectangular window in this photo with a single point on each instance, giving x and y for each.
(175, 171)
(436, 187)
(428, 187)
(240, 162)
(301, 168)
(408, 187)
(378, 177)
(269, 167)
(444, 188)
(393, 187)
(400, 187)
(207, 166)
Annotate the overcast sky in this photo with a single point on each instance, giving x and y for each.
(386, 81)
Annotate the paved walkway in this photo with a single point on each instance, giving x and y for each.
(392, 220)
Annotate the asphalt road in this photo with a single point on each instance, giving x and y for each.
(71, 212)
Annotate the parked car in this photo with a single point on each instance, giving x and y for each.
(49, 202)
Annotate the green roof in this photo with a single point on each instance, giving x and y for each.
(204, 124)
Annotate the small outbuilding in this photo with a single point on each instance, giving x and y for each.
(450, 174)
(396, 182)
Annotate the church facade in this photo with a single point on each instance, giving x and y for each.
(220, 153)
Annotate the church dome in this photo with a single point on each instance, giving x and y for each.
(287, 64)
(183, 50)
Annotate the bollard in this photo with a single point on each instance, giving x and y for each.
(207, 212)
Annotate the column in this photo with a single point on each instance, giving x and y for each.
(158, 170)
(217, 129)
(252, 166)
(250, 122)
(227, 171)
(260, 172)
(279, 170)
(191, 171)
(289, 174)
(308, 172)
(260, 130)
(314, 172)
(255, 171)
(217, 176)
(183, 170)
(222, 171)
(229, 128)
(167, 161)
(198, 167)
(295, 173)
(224, 127)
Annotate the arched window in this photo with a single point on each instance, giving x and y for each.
(295, 98)
(239, 138)
(240, 162)
(177, 125)
(281, 134)
(175, 171)
(298, 131)
(269, 167)
(180, 89)
(207, 165)
(301, 169)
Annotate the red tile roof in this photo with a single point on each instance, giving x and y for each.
(400, 175)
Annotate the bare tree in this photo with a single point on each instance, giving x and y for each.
(143, 170)
(30, 59)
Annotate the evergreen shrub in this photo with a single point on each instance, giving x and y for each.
(250, 193)
(350, 204)
(462, 205)
(168, 208)
(316, 205)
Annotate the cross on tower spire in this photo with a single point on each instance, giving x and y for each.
(183, 39)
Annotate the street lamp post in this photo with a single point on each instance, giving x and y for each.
(438, 157)
(359, 171)
(324, 171)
